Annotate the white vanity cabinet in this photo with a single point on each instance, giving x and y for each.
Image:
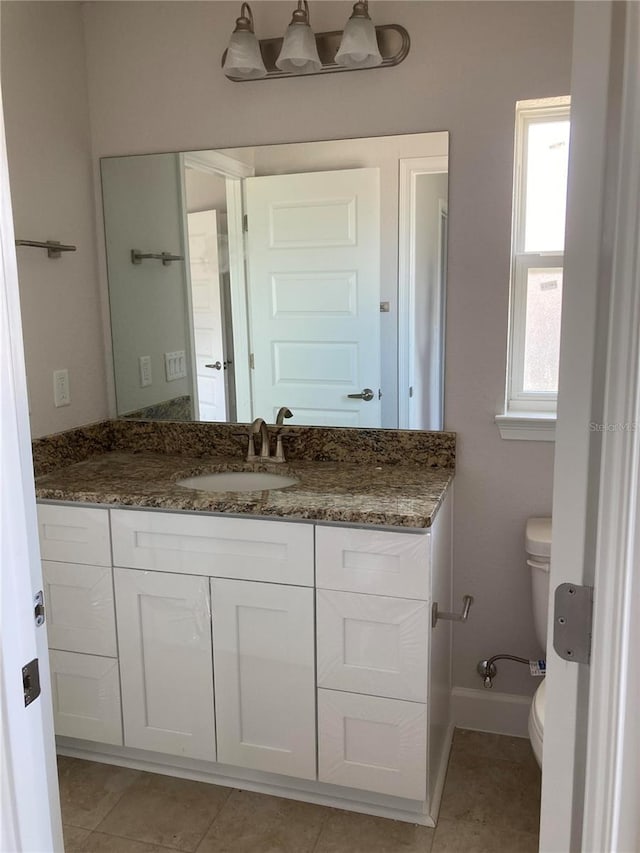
(285, 650)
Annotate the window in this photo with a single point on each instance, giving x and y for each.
(540, 188)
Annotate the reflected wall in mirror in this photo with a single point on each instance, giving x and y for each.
(308, 275)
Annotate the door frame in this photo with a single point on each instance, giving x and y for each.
(590, 782)
(409, 170)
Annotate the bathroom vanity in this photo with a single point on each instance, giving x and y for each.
(281, 641)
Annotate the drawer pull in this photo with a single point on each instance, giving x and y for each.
(436, 614)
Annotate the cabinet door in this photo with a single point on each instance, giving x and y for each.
(86, 697)
(264, 674)
(373, 744)
(164, 634)
(373, 644)
(79, 600)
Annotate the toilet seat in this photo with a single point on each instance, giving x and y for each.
(536, 720)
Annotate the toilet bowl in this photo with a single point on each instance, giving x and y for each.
(538, 547)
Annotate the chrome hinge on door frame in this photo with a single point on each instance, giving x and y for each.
(572, 615)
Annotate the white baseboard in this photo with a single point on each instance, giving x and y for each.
(488, 711)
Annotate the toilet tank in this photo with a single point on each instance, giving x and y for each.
(538, 547)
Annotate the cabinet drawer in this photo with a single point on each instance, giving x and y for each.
(373, 644)
(79, 602)
(373, 744)
(86, 697)
(373, 561)
(70, 534)
(276, 552)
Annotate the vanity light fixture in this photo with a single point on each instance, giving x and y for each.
(243, 59)
(301, 52)
(359, 45)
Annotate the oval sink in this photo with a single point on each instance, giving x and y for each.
(237, 481)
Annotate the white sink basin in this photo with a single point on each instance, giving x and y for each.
(237, 481)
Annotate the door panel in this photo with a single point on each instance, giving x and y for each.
(264, 674)
(314, 294)
(164, 629)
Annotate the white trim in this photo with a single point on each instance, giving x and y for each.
(488, 711)
(527, 426)
(303, 790)
(409, 169)
(217, 163)
(612, 786)
(188, 295)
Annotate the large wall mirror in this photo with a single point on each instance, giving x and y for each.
(309, 275)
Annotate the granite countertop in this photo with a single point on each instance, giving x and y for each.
(366, 493)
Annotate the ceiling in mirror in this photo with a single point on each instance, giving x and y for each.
(308, 275)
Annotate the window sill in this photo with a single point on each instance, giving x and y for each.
(527, 426)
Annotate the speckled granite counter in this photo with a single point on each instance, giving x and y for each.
(366, 493)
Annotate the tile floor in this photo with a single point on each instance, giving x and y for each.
(490, 804)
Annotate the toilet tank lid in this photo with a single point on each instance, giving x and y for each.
(538, 537)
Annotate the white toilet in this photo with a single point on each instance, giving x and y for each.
(538, 537)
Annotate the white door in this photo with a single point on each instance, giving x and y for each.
(164, 634)
(314, 295)
(29, 805)
(263, 652)
(208, 320)
(591, 755)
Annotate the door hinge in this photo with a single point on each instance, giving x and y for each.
(252, 361)
(572, 614)
(245, 222)
(31, 681)
(38, 608)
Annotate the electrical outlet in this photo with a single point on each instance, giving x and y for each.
(144, 363)
(61, 393)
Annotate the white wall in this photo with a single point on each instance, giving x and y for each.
(155, 85)
(47, 130)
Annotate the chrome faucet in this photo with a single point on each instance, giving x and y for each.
(258, 426)
(283, 412)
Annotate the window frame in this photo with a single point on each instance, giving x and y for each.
(519, 401)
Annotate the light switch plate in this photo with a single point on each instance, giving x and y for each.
(144, 363)
(175, 365)
(61, 392)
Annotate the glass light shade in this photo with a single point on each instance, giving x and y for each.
(299, 52)
(359, 45)
(243, 57)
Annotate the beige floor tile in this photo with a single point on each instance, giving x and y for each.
(493, 791)
(75, 839)
(457, 836)
(165, 810)
(484, 745)
(348, 832)
(100, 842)
(256, 823)
(89, 790)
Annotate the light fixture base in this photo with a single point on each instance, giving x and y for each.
(393, 41)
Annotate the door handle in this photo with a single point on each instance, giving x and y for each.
(366, 394)
(216, 366)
